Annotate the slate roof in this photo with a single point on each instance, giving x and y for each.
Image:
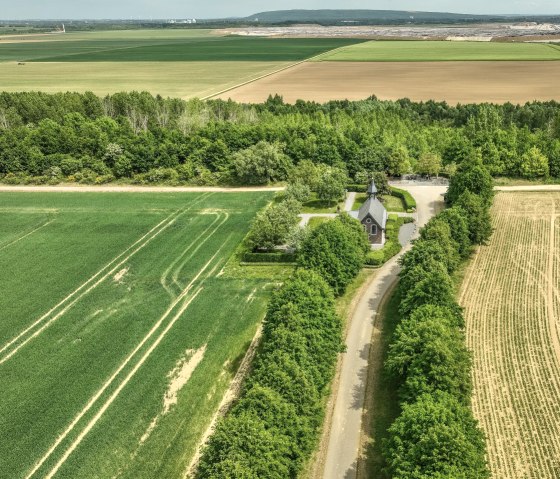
(372, 189)
(376, 210)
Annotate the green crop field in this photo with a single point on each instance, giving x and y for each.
(417, 51)
(119, 332)
(178, 63)
(165, 49)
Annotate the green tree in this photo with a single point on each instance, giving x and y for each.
(429, 164)
(273, 225)
(331, 185)
(472, 177)
(261, 164)
(428, 354)
(336, 251)
(477, 216)
(534, 164)
(398, 162)
(298, 191)
(436, 437)
(459, 229)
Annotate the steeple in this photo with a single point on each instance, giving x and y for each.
(372, 190)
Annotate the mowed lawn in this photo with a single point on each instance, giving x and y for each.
(420, 51)
(118, 333)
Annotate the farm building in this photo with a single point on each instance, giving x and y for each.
(373, 217)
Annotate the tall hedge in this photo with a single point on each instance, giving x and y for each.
(436, 435)
(275, 424)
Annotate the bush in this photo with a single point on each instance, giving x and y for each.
(250, 257)
(408, 199)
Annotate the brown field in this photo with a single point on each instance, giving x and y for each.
(511, 295)
(454, 82)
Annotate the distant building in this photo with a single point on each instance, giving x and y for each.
(373, 217)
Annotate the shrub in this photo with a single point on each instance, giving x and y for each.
(409, 201)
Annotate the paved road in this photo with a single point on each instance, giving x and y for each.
(528, 188)
(344, 440)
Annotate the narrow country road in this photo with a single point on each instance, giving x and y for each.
(343, 446)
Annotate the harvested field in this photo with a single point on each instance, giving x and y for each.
(511, 295)
(118, 333)
(454, 82)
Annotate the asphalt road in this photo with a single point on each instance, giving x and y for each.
(344, 441)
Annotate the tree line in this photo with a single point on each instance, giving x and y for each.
(140, 138)
(273, 428)
(435, 434)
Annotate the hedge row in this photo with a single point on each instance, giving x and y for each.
(279, 257)
(436, 434)
(409, 201)
(274, 426)
(392, 245)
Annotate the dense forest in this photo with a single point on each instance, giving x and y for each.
(140, 138)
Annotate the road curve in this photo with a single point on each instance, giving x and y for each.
(343, 446)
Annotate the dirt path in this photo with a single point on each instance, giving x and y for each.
(134, 189)
(342, 451)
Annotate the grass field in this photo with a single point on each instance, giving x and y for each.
(424, 51)
(511, 295)
(119, 333)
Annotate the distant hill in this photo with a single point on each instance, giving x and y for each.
(341, 16)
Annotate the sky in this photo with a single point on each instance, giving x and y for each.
(126, 9)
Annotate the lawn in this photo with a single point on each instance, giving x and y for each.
(418, 51)
(392, 203)
(317, 206)
(119, 332)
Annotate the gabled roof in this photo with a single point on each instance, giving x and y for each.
(372, 189)
(374, 208)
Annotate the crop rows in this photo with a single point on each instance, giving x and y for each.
(511, 299)
(120, 376)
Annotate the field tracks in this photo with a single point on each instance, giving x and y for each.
(25, 235)
(37, 327)
(177, 308)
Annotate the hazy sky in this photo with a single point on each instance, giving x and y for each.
(21, 9)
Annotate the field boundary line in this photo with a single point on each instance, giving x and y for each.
(25, 235)
(169, 219)
(266, 75)
(73, 188)
(112, 378)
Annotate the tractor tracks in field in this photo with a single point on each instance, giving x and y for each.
(134, 362)
(10, 348)
(29, 233)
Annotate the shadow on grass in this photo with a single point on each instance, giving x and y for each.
(382, 402)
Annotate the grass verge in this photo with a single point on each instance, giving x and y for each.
(382, 403)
